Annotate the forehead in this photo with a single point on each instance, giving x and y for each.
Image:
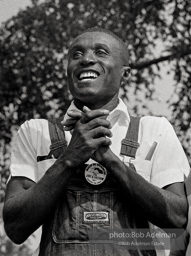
(91, 39)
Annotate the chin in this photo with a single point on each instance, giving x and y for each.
(87, 95)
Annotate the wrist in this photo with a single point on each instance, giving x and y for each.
(108, 159)
(65, 163)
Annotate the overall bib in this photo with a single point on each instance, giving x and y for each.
(88, 216)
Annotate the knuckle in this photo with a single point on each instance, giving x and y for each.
(87, 141)
(78, 124)
(88, 114)
(97, 121)
(109, 133)
(102, 129)
(105, 141)
(78, 128)
(108, 123)
(105, 123)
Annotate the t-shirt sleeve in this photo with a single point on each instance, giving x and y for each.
(170, 164)
(23, 157)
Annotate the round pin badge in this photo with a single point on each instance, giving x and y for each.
(95, 174)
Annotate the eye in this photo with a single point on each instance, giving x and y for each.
(77, 54)
(101, 52)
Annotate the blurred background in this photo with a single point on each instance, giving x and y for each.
(34, 40)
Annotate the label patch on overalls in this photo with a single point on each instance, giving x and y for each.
(96, 217)
(95, 173)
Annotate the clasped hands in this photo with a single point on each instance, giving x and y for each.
(90, 134)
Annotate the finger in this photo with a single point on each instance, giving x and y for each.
(74, 116)
(89, 115)
(101, 132)
(99, 122)
(69, 122)
(102, 142)
(86, 109)
(75, 113)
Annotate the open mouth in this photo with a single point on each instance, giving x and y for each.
(88, 76)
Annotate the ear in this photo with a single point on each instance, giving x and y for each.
(126, 73)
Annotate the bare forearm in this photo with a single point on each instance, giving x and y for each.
(28, 209)
(163, 208)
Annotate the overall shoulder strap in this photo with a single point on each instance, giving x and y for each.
(188, 186)
(57, 137)
(130, 144)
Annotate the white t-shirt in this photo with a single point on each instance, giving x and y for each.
(167, 165)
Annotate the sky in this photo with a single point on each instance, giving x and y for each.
(164, 89)
(8, 8)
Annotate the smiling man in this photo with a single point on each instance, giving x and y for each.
(108, 64)
(115, 175)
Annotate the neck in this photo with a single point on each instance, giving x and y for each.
(109, 105)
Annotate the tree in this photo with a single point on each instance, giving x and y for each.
(34, 45)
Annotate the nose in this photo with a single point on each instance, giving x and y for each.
(88, 58)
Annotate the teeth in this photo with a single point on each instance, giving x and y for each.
(88, 75)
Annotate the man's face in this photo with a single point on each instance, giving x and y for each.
(95, 67)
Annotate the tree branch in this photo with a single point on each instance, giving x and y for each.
(146, 64)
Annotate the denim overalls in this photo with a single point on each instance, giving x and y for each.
(88, 216)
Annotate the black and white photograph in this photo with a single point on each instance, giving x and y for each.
(95, 128)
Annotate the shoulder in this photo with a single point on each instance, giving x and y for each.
(154, 122)
(153, 127)
(37, 132)
(34, 130)
(36, 124)
(33, 126)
